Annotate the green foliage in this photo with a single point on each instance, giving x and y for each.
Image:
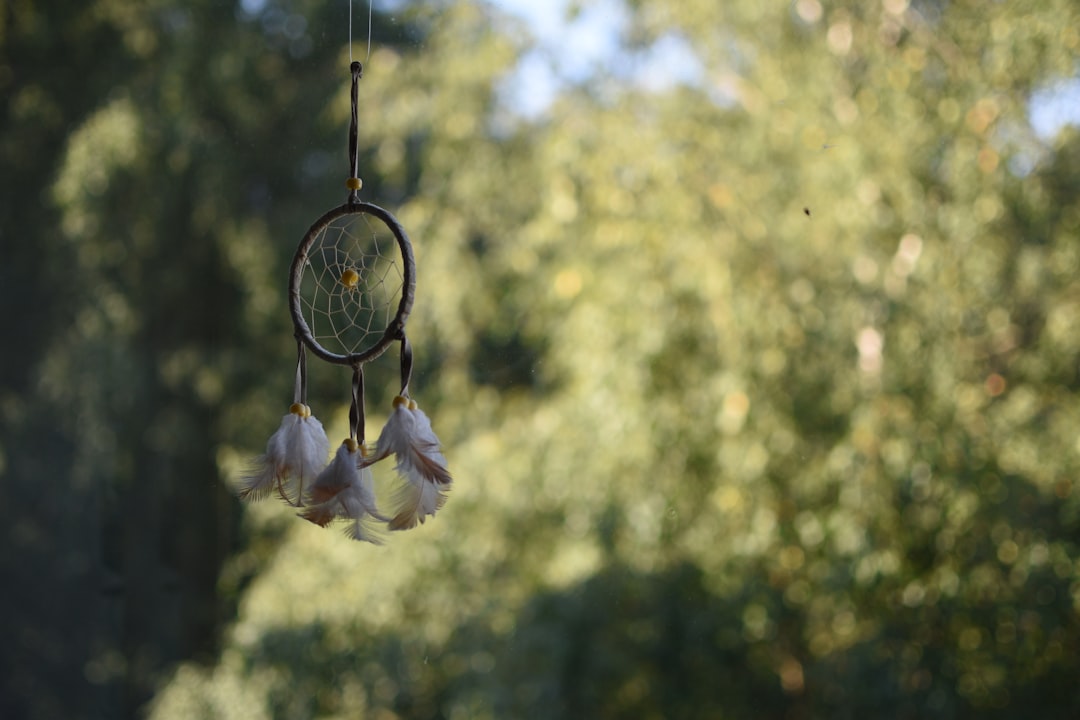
(715, 457)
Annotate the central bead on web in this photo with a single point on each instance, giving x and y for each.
(349, 278)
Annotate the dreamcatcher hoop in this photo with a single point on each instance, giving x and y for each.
(340, 267)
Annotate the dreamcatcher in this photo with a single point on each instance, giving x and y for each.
(351, 289)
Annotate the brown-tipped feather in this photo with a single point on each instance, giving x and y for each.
(285, 494)
(321, 515)
(405, 521)
(409, 499)
(324, 493)
(432, 469)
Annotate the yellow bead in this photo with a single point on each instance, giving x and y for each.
(399, 401)
(413, 405)
(349, 278)
(297, 409)
(354, 183)
(351, 444)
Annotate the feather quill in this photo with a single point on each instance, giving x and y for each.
(345, 490)
(409, 437)
(295, 454)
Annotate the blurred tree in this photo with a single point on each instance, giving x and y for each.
(146, 163)
(716, 457)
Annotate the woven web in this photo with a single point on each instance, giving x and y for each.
(351, 284)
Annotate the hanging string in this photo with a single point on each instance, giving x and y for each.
(369, 4)
(300, 386)
(354, 183)
(356, 411)
(369, 15)
(406, 365)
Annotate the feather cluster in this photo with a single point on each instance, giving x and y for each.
(409, 437)
(294, 456)
(346, 489)
(295, 466)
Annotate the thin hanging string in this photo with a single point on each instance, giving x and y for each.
(354, 183)
(356, 411)
(369, 14)
(406, 365)
(300, 387)
(369, 4)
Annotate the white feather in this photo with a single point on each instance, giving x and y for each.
(427, 439)
(343, 490)
(269, 468)
(409, 436)
(358, 499)
(338, 475)
(308, 448)
(295, 453)
(397, 432)
(358, 504)
(414, 501)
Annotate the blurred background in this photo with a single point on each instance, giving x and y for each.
(750, 329)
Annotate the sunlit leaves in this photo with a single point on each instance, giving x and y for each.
(846, 437)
